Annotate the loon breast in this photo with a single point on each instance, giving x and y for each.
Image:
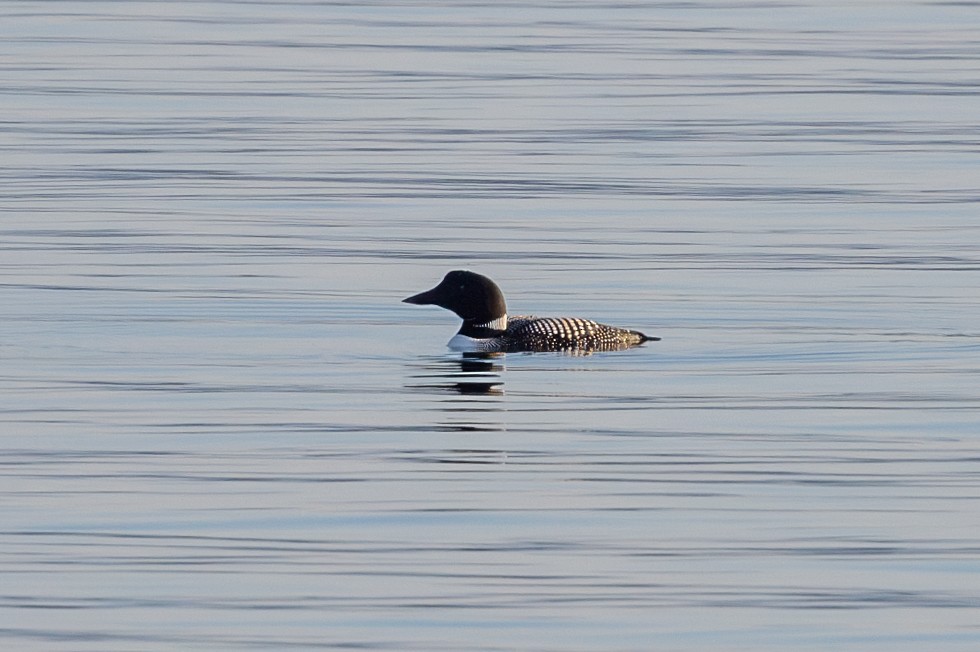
(460, 342)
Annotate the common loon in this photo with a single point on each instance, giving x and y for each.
(486, 326)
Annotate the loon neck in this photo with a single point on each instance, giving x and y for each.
(484, 328)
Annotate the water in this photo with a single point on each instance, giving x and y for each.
(221, 429)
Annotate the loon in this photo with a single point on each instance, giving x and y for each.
(486, 326)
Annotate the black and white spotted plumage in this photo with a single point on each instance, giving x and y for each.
(486, 326)
(568, 334)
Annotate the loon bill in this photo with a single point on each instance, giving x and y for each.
(486, 326)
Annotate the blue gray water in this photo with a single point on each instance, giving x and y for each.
(221, 430)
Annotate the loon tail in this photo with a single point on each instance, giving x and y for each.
(645, 338)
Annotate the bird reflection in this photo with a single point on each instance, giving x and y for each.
(466, 373)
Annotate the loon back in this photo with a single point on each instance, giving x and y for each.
(486, 327)
(570, 334)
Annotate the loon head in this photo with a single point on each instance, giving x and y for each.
(474, 297)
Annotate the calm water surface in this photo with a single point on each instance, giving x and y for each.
(221, 430)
